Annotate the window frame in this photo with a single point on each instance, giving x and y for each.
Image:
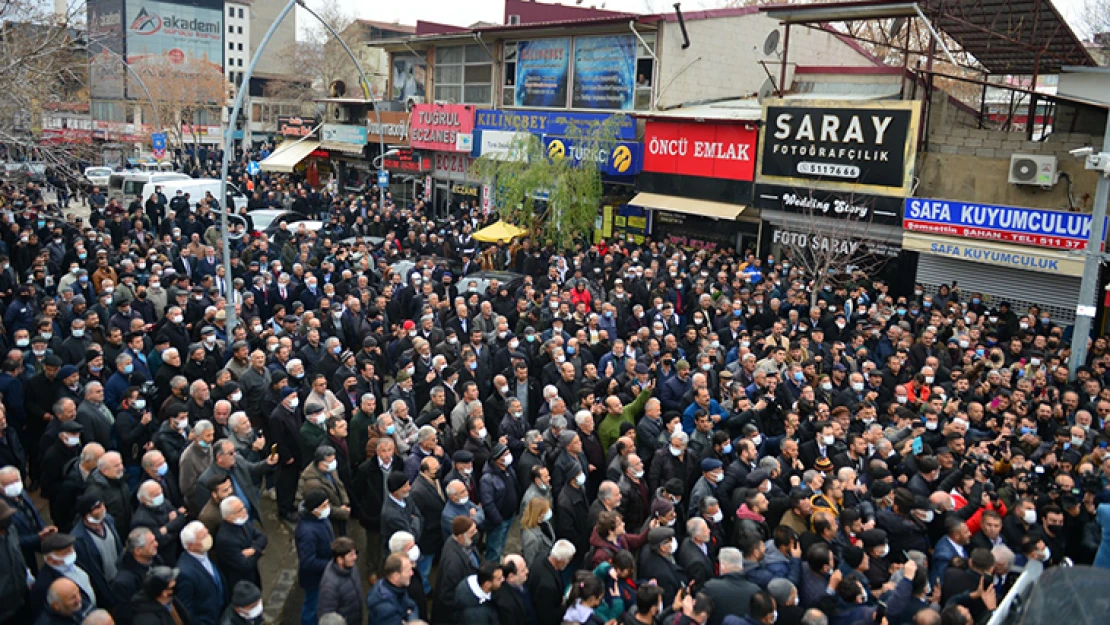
(462, 65)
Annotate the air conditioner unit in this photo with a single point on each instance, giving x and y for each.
(1032, 169)
(413, 100)
(340, 115)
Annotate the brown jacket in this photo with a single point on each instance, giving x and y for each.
(312, 477)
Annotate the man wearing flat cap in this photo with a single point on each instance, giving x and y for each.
(60, 561)
(657, 562)
(246, 605)
(398, 513)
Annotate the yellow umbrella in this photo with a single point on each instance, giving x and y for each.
(500, 232)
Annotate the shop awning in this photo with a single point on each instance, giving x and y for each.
(350, 149)
(1058, 262)
(286, 156)
(688, 206)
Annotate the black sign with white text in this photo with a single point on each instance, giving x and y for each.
(831, 146)
(864, 208)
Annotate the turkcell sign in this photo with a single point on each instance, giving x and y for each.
(1026, 226)
(618, 159)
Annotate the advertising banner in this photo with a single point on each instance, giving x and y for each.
(394, 127)
(343, 133)
(452, 166)
(407, 160)
(866, 147)
(497, 144)
(410, 74)
(541, 72)
(1026, 226)
(554, 123)
(189, 36)
(296, 126)
(438, 126)
(620, 159)
(860, 208)
(106, 71)
(604, 72)
(700, 149)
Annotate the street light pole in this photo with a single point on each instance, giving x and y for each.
(229, 305)
(363, 82)
(1092, 262)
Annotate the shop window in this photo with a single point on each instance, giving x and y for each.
(645, 72)
(463, 75)
(508, 77)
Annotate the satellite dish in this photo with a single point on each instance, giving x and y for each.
(767, 90)
(896, 26)
(771, 43)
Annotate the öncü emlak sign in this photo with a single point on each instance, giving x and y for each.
(710, 150)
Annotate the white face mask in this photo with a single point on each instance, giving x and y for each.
(674, 546)
(254, 612)
(857, 387)
(508, 459)
(236, 397)
(1029, 516)
(482, 433)
(294, 402)
(580, 479)
(241, 520)
(157, 501)
(931, 425)
(826, 386)
(547, 515)
(325, 513)
(414, 553)
(464, 501)
(13, 490)
(828, 440)
(676, 452)
(718, 516)
(638, 474)
(331, 466)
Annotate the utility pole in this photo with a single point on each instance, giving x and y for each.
(1092, 262)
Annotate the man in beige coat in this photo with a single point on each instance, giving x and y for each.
(322, 474)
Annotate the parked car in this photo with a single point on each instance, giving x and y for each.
(483, 279)
(98, 176)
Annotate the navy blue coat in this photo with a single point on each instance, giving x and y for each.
(313, 539)
(198, 592)
(88, 558)
(389, 605)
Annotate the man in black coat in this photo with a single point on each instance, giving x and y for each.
(239, 545)
(397, 513)
(731, 591)
(427, 495)
(695, 562)
(369, 490)
(457, 561)
(95, 525)
(139, 556)
(513, 601)
(572, 512)
(285, 428)
(657, 562)
(545, 582)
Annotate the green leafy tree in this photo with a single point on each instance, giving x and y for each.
(555, 192)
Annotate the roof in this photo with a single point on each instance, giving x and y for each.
(429, 32)
(395, 26)
(737, 110)
(1004, 36)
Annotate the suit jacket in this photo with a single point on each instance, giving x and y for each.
(455, 565)
(430, 502)
(194, 461)
(202, 596)
(227, 552)
(942, 556)
(396, 518)
(697, 565)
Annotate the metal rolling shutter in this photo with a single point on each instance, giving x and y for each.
(1057, 294)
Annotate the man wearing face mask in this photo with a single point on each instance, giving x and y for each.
(572, 510)
(238, 547)
(906, 523)
(108, 483)
(285, 434)
(657, 562)
(60, 562)
(98, 547)
(246, 605)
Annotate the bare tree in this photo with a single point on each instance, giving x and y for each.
(316, 56)
(831, 240)
(181, 92)
(42, 60)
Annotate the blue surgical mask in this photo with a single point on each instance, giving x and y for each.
(473, 365)
(727, 449)
(128, 369)
(162, 470)
(390, 430)
(1025, 429)
(531, 338)
(901, 311)
(570, 350)
(799, 376)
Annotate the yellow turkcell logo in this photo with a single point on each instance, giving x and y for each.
(556, 150)
(622, 158)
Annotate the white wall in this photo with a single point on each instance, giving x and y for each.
(723, 58)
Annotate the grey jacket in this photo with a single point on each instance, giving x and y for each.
(341, 591)
(13, 576)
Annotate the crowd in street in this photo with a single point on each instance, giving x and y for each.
(630, 433)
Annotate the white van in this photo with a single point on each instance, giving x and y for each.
(196, 188)
(127, 186)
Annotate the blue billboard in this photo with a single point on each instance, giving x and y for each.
(604, 72)
(1011, 224)
(541, 72)
(555, 124)
(620, 159)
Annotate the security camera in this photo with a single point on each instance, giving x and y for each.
(1082, 152)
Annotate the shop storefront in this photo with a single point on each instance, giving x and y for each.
(346, 143)
(834, 175)
(495, 132)
(300, 140)
(1022, 255)
(697, 183)
(409, 175)
(446, 133)
(392, 133)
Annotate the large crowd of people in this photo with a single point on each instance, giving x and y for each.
(629, 433)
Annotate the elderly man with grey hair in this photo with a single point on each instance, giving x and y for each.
(196, 458)
(730, 590)
(427, 444)
(95, 416)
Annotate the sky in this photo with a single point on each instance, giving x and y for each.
(465, 12)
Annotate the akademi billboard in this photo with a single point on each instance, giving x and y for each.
(105, 49)
(184, 34)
